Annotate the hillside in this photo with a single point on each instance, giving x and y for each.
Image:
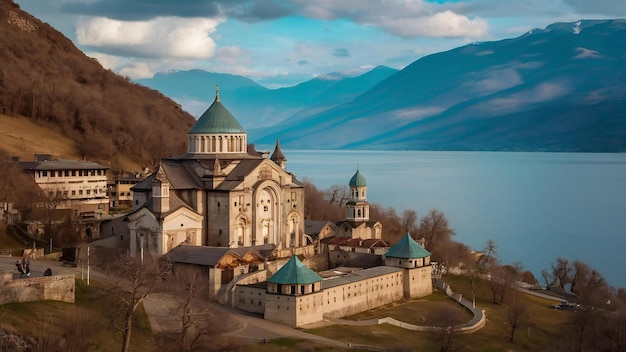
(556, 89)
(103, 116)
(20, 137)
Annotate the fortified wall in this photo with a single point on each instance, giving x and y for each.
(57, 288)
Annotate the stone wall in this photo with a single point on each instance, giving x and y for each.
(317, 263)
(56, 288)
(359, 296)
(338, 257)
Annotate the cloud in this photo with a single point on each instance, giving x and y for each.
(540, 93)
(497, 80)
(159, 37)
(303, 62)
(341, 52)
(612, 8)
(587, 54)
(407, 19)
(142, 10)
(398, 17)
(443, 24)
(137, 70)
(107, 61)
(229, 54)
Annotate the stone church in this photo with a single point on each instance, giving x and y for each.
(221, 193)
(357, 223)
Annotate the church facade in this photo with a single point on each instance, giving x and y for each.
(221, 193)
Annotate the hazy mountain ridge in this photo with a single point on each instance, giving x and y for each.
(557, 89)
(256, 106)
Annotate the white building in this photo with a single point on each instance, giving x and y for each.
(70, 184)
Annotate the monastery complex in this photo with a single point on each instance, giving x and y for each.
(237, 215)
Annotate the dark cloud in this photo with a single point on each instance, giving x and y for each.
(600, 7)
(256, 11)
(341, 52)
(138, 10)
(303, 62)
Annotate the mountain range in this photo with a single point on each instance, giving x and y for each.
(561, 88)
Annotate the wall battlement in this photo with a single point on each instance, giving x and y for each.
(56, 288)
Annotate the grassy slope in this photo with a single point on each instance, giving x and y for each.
(46, 318)
(547, 325)
(24, 138)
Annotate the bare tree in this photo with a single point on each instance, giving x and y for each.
(409, 220)
(516, 312)
(337, 194)
(491, 248)
(434, 228)
(445, 319)
(561, 271)
(547, 277)
(502, 278)
(130, 281)
(186, 285)
(590, 285)
(316, 207)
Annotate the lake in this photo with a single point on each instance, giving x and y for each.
(535, 206)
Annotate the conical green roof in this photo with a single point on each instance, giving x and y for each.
(295, 273)
(407, 248)
(216, 119)
(357, 180)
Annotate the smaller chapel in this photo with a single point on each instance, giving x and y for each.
(357, 223)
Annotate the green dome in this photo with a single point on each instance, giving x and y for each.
(358, 180)
(216, 119)
(407, 248)
(295, 272)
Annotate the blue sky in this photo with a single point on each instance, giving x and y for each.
(281, 43)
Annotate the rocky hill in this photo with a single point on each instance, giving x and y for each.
(45, 78)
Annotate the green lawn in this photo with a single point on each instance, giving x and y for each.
(87, 321)
(546, 325)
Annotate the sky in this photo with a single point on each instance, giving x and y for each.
(280, 43)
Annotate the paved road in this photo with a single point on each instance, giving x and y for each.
(39, 266)
(162, 310)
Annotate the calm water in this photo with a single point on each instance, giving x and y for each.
(536, 206)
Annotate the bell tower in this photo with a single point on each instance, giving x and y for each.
(357, 208)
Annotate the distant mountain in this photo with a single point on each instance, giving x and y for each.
(562, 88)
(256, 106)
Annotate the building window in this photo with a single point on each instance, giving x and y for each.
(73, 172)
(80, 192)
(73, 192)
